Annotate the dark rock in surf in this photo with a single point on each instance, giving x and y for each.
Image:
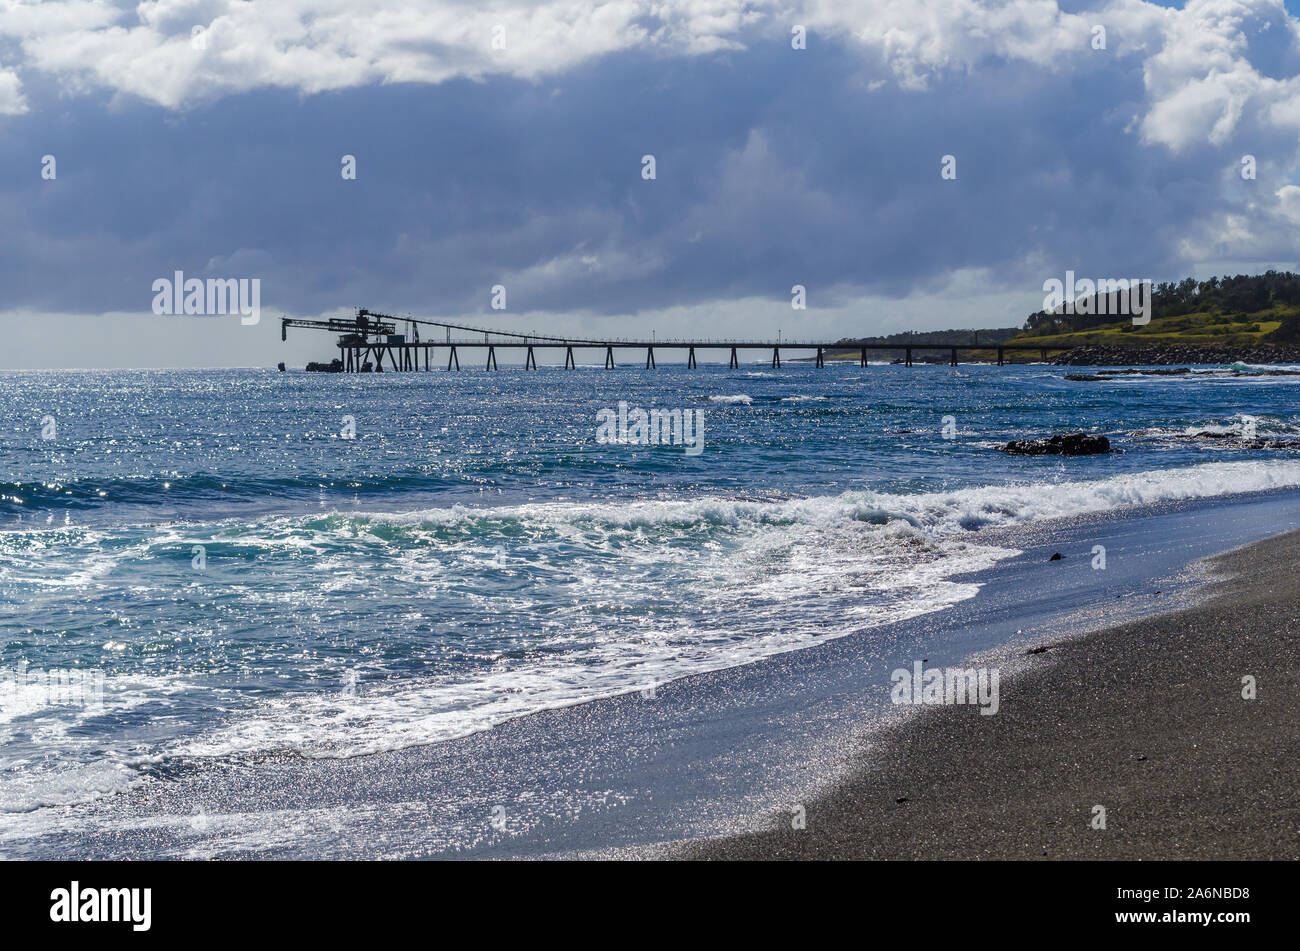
(1070, 444)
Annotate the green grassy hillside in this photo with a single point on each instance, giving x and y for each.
(1200, 328)
(1239, 311)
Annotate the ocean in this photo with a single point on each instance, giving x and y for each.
(230, 565)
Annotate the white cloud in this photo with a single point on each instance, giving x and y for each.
(1288, 197)
(920, 38)
(11, 94)
(1202, 83)
(317, 45)
(1197, 64)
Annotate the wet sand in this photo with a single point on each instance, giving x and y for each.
(1146, 719)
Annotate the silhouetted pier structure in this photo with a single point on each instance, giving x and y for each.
(371, 342)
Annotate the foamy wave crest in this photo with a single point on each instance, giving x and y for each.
(542, 605)
(936, 513)
(966, 509)
(809, 569)
(802, 585)
(1243, 425)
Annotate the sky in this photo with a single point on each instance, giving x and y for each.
(504, 144)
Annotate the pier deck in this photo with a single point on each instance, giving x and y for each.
(371, 343)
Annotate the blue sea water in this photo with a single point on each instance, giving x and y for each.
(247, 580)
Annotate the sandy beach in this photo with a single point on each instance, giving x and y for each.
(1146, 719)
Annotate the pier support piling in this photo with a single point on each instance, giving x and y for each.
(492, 359)
(690, 359)
(452, 356)
(650, 358)
(735, 360)
(569, 362)
(530, 361)
(821, 359)
(609, 358)
(776, 358)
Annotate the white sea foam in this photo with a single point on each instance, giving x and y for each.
(1242, 424)
(26, 786)
(939, 513)
(871, 558)
(636, 594)
(28, 783)
(1236, 374)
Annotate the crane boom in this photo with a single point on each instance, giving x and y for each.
(361, 325)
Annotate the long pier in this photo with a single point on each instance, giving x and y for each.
(371, 341)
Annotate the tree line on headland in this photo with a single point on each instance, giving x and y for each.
(1223, 301)
(1241, 312)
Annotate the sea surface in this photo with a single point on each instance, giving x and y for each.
(250, 562)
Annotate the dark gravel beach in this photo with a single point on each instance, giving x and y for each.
(1146, 719)
(728, 751)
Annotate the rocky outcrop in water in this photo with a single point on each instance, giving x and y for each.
(1069, 444)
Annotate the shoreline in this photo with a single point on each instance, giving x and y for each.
(1146, 718)
(709, 755)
